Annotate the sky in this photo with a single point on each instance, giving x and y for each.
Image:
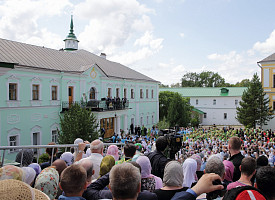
(163, 39)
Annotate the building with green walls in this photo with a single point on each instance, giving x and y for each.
(38, 84)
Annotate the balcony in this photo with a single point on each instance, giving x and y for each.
(98, 105)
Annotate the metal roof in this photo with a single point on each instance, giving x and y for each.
(206, 91)
(67, 61)
(268, 58)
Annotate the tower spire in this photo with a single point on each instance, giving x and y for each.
(71, 42)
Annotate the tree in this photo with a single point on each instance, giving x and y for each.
(203, 79)
(179, 111)
(195, 121)
(254, 108)
(243, 83)
(165, 99)
(163, 124)
(77, 122)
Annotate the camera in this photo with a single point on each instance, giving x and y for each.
(217, 193)
(174, 141)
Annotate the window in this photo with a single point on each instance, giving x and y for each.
(152, 119)
(204, 115)
(35, 92)
(54, 92)
(13, 140)
(109, 92)
(225, 115)
(132, 94)
(147, 120)
(152, 94)
(273, 80)
(117, 92)
(125, 93)
(214, 101)
(236, 102)
(147, 93)
(197, 101)
(141, 121)
(12, 91)
(92, 93)
(55, 136)
(273, 105)
(141, 94)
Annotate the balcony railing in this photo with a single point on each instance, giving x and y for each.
(39, 148)
(99, 105)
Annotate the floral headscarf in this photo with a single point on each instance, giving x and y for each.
(47, 182)
(27, 157)
(11, 172)
(106, 165)
(113, 150)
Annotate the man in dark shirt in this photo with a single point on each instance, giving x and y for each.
(157, 159)
(234, 146)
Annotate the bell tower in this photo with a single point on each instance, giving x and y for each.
(71, 42)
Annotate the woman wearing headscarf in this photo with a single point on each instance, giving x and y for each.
(229, 171)
(36, 168)
(189, 172)
(172, 181)
(106, 165)
(27, 157)
(68, 157)
(11, 172)
(29, 175)
(199, 173)
(47, 182)
(113, 151)
(148, 181)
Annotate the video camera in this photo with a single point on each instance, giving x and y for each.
(217, 193)
(174, 141)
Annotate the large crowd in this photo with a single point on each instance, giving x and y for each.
(210, 164)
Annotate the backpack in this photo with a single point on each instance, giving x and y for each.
(244, 193)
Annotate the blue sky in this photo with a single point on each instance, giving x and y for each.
(160, 38)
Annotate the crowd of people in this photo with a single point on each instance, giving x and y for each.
(211, 164)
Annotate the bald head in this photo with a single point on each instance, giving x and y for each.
(97, 146)
(87, 164)
(60, 165)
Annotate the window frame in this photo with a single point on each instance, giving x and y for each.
(54, 92)
(35, 93)
(15, 91)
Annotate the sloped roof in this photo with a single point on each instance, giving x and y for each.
(206, 91)
(268, 58)
(74, 61)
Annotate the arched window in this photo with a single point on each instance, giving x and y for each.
(92, 93)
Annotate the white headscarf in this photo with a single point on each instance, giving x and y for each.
(189, 171)
(30, 174)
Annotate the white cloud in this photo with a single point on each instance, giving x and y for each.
(266, 47)
(182, 35)
(19, 21)
(112, 23)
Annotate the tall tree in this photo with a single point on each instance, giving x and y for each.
(165, 99)
(254, 108)
(179, 111)
(243, 83)
(77, 122)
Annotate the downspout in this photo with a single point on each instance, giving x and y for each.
(61, 94)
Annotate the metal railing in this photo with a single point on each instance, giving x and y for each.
(38, 147)
(99, 105)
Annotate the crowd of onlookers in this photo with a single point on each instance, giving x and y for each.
(211, 164)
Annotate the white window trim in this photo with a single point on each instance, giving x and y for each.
(125, 95)
(111, 93)
(14, 132)
(118, 92)
(54, 127)
(95, 93)
(36, 129)
(15, 80)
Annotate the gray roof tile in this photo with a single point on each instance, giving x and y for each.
(73, 61)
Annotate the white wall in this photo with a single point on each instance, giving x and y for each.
(215, 113)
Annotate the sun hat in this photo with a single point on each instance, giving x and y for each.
(11, 189)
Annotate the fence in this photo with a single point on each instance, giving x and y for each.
(38, 147)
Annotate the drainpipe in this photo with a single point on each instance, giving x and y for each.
(60, 94)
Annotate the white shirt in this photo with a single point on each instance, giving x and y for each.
(96, 159)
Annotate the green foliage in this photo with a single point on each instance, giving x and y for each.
(165, 98)
(163, 124)
(243, 83)
(43, 158)
(254, 108)
(195, 121)
(179, 111)
(203, 79)
(77, 122)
